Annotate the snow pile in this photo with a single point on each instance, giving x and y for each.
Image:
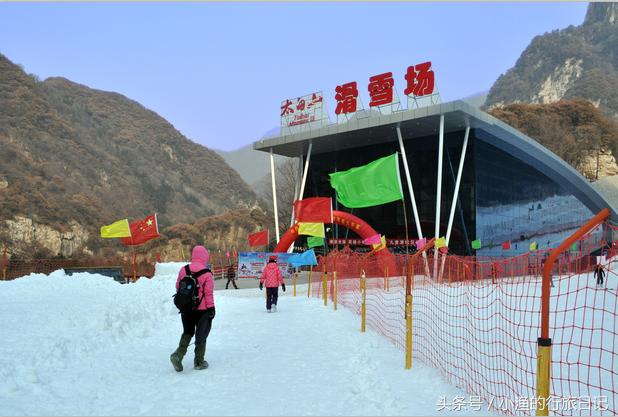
(84, 345)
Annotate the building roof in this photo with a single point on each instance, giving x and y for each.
(424, 122)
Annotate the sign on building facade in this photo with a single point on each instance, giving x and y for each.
(303, 113)
(308, 112)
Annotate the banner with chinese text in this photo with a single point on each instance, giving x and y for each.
(251, 264)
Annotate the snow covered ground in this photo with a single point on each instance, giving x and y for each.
(85, 345)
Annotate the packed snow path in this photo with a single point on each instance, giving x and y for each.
(85, 345)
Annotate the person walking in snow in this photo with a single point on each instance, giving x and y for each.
(599, 274)
(273, 277)
(231, 277)
(198, 321)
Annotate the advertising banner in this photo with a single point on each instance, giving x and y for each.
(251, 264)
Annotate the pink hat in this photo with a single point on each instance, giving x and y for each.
(200, 255)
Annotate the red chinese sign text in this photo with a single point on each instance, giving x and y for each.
(381, 89)
(421, 80)
(346, 96)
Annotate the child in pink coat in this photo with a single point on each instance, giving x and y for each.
(273, 277)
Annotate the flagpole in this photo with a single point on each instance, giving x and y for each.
(272, 174)
(419, 231)
(296, 194)
(405, 222)
(303, 181)
(438, 194)
(299, 174)
(134, 266)
(305, 170)
(455, 194)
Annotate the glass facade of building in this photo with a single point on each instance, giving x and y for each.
(518, 204)
(500, 199)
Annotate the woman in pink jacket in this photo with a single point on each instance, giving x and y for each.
(273, 277)
(196, 322)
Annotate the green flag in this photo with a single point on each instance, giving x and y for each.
(476, 244)
(369, 185)
(313, 241)
(574, 247)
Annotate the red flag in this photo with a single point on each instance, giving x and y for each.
(142, 231)
(314, 210)
(506, 245)
(258, 238)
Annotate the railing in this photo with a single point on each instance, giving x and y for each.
(478, 321)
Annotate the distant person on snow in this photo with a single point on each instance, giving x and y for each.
(599, 273)
(231, 277)
(198, 321)
(273, 277)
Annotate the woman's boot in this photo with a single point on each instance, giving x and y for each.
(176, 357)
(200, 351)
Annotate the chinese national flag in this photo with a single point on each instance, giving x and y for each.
(142, 231)
(314, 210)
(258, 238)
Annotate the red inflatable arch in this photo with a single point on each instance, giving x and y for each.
(357, 225)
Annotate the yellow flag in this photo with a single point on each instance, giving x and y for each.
(311, 229)
(379, 246)
(533, 246)
(439, 243)
(116, 229)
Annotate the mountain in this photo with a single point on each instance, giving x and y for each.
(250, 164)
(575, 130)
(576, 62)
(74, 158)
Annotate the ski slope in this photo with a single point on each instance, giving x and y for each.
(86, 345)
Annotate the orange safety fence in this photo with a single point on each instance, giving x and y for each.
(477, 320)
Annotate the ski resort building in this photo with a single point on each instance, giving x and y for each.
(513, 192)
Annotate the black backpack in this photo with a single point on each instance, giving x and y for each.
(187, 296)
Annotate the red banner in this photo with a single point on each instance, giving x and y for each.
(258, 238)
(314, 210)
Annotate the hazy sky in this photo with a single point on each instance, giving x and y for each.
(218, 71)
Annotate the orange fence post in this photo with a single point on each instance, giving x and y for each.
(364, 304)
(335, 282)
(544, 342)
(324, 284)
(408, 312)
(388, 282)
(134, 267)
